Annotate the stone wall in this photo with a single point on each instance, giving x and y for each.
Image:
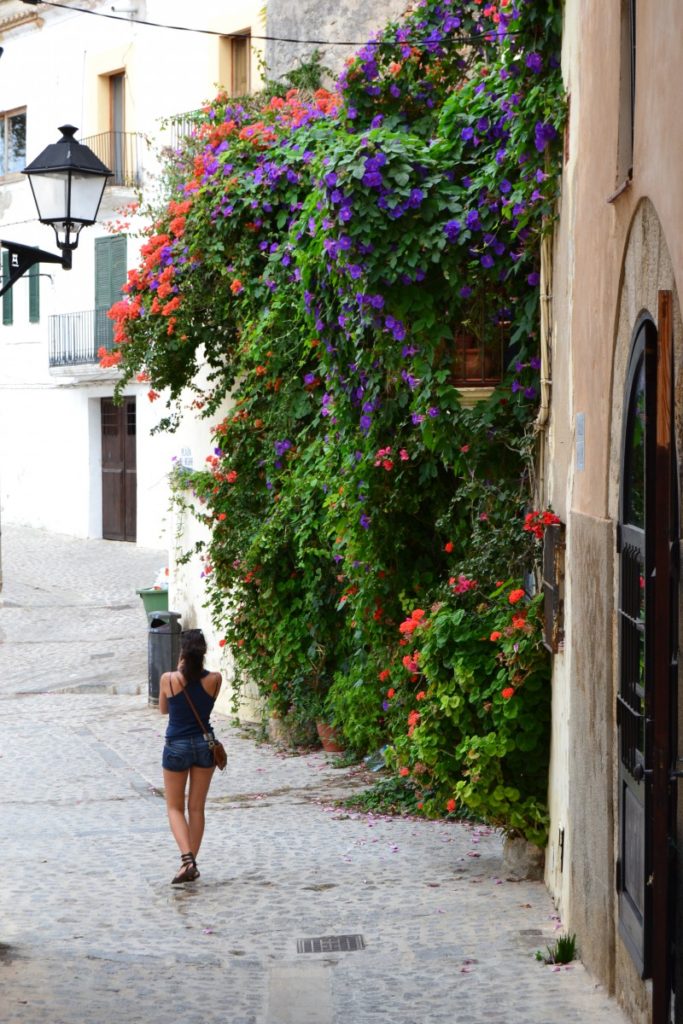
(325, 24)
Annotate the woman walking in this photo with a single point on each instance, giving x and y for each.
(186, 751)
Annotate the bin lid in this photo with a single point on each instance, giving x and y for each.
(169, 620)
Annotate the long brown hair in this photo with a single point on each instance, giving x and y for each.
(192, 652)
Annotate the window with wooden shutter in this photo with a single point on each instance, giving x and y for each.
(7, 305)
(110, 277)
(553, 586)
(34, 294)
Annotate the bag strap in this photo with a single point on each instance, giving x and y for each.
(204, 729)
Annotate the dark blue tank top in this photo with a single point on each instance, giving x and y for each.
(181, 719)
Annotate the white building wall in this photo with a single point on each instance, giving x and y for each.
(56, 64)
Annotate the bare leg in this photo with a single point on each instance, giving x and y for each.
(174, 788)
(200, 780)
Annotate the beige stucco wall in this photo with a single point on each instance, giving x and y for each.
(610, 260)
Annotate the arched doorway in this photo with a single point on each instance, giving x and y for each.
(647, 544)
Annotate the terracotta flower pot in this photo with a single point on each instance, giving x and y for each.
(330, 738)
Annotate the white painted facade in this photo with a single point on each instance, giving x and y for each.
(58, 66)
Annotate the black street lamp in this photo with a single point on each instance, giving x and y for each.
(67, 181)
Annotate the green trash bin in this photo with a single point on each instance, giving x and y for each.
(154, 599)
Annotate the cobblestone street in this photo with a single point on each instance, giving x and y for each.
(91, 931)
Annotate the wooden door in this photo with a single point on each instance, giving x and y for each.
(119, 476)
(648, 540)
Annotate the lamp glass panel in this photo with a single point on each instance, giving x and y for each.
(50, 194)
(86, 192)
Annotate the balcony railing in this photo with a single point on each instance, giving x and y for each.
(76, 337)
(120, 151)
(182, 125)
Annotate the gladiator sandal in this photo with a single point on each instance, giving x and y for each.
(188, 872)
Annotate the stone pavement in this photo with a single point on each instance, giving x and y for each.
(91, 931)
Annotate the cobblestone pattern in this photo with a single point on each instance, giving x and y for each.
(93, 933)
(70, 613)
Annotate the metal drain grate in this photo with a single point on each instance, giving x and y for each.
(331, 944)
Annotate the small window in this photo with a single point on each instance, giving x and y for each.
(240, 52)
(235, 63)
(627, 91)
(12, 142)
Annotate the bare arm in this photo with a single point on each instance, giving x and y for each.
(164, 692)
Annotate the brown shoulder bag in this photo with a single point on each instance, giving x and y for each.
(220, 757)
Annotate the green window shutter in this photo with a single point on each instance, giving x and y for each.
(7, 306)
(110, 277)
(110, 270)
(34, 294)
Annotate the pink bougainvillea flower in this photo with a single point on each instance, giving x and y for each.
(403, 454)
(408, 626)
(410, 661)
(418, 615)
(515, 595)
(462, 584)
(152, 395)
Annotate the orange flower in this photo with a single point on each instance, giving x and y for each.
(448, 546)
(390, 692)
(421, 695)
(384, 675)
(231, 476)
(508, 692)
(515, 595)
(404, 771)
(450, 805)
(152, 395)
(236, 287)
(222, 643)
(408, 626)
(496, 635)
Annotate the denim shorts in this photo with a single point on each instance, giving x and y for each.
(181, 754)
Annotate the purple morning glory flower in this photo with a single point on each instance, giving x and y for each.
(534, 62)
(535, 363)
(472, 220)
(432, 411)
(487, 260)
(530, 393)
(533, 278)
(364, 521)
(466, 134)
(544, 133)
(365, 423)
(516, 386)
(465, 292)
(309, 378)
(451, 230)
(417, 418)
(505, 186)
